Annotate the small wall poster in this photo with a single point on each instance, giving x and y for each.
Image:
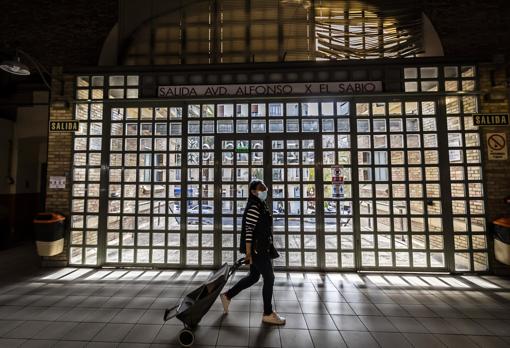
(57, 182)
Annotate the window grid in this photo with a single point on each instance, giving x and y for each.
(399, 189)
(172, 238)
(85, 193)
(465, 158)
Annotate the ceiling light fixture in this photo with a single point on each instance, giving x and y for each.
(15, 67)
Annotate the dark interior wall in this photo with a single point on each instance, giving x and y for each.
(71, 33)
(58, 32)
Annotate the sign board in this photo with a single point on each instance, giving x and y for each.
(242, 149)
(338, 191)
(490, 120)
(497, 146)
(57, 182)
(337, 181)
(275, 89)
(336, 171)
(64, 126)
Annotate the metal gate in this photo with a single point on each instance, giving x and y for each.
(173, 183)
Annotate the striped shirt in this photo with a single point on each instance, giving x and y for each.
(252, 217)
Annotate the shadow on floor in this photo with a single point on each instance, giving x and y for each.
(19, 261)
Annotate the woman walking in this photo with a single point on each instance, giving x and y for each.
(257, 243)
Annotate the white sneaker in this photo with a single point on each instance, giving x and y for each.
(226, 302)
(273, 318)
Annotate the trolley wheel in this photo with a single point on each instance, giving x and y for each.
(186, 337)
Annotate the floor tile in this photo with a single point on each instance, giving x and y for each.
(422, 340)
(140, 302)
(331, 296)
(420, 310)
(365, 309)
(456, 341)
(8, 325)
(77, 314)
(489, 341)
(339, 308)
(295, 338)
(391, 340)
(206, 335)
(112, 332)
(393, 310)
(358, 339)
(446, 311)
(102, 315)
(355, 297)
(319, 322)
(378, 323)
(348, 323)
(293, 307)
(406, 324)
(467, 326)
(11, 342)
(323, 339)
(264, 337)
(152, 316)
(239, 305)
(55, 330)
(496, 327)
(133, 345)
(27, 329)
(212, 318)
(142, 333)
(241, 319)
(101, 345)
(128, 316)
(233, 336)
(168, 334)
(70, 344)
(39, 343)
(94, 301)
(83, 331)
(438, 326)
(313, 307)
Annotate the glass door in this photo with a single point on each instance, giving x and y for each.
(290, 168)
(398, 189)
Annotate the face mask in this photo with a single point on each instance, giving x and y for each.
(262, 195)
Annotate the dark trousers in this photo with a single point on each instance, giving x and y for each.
(261, 265)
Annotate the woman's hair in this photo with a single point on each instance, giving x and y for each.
(254, 184)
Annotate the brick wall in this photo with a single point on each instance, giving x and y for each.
(494, 91)
(60, 157)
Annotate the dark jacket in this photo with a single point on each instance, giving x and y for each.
(262, 236)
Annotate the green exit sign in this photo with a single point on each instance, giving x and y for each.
(242, 149)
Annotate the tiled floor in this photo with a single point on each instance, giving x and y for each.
(121, 308)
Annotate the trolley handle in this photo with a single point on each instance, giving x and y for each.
(168, 312)
(236, 266)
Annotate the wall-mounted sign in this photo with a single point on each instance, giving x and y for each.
(276, 89)
(64, 126)
(337, 181)
(490, 120)
(57, 182)
(242, 149)
(497, 146)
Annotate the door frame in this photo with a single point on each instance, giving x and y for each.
(267, 138)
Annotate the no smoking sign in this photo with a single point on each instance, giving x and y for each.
(497, 146)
